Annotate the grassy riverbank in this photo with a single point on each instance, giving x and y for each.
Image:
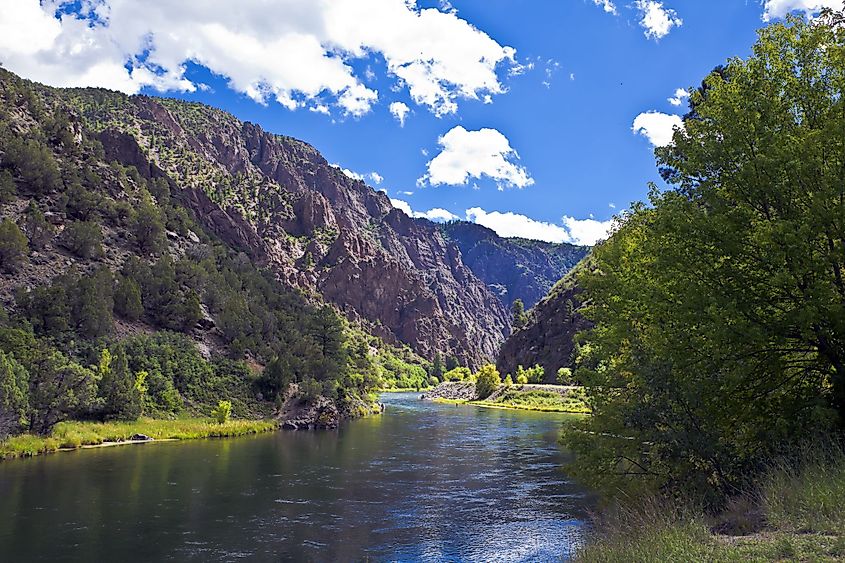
(797, 515)
(69, 435)
(530, 398)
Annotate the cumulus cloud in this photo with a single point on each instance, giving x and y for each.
(607, 5)
(679, 97)
(374, 177)
(573, 231)
(399, 111)
(657, 127)
(473, 154)
(657, 20)
(780, 8)
(437, 214)
(294, 52)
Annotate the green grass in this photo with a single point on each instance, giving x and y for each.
(78, 434)
(531, 400)
(800, 512)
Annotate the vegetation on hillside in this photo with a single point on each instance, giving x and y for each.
(110, 284)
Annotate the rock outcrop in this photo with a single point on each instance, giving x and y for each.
(513, 268)
(279, 201)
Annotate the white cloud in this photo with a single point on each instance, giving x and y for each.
(679, 97)
(473, 154)
(374, 177)
(508, 224)
(657, 20)
(438, 214)
(289, 51)
(399, 111)
(607, 5)
(657, 127)
(780, 8)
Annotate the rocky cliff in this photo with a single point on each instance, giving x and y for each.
(513, 268)
(279, 201)
(548, 339)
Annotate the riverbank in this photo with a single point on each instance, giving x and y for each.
(74, 435)
(543, 398)
(796, 515)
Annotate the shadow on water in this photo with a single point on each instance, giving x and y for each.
(422, 482)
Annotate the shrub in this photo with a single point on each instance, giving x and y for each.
(508, 380)
(83, 238)
(532, 375)
(222, 412)
(486, 381)
(564, 376)
(457, 374)
(13, 246)
(521, 379)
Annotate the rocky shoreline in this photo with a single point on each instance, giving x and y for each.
(321, 413)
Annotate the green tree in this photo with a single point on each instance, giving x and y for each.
(487, 380)
(8, 190)
(222, 412)
(452, 362)
(59, 389)
(93, 303)
(121, 397)
(84, 239)
(38, 230)
(519, 318)
(437, 366)
(148, 227)
(457, 374)
(719, 308)
(127, 299)
(14, 395)
(13, 246)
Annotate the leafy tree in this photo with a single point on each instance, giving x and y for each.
(14, 395)
(148, 228)
(37, 228)
(127, 299)
(13, 246)
(8, 190)
(519, 318)
(34, 164)
(47, 308)
(222, 412)
(521, 379)
(84, 239)
(720, 306)
(93, 303)
(508, 380)
(59, 389)
(121, 398)
(487, 380)
(452, 362)
(437, 366)
(533, 374)
(457, 374)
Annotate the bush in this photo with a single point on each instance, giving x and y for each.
(13, 246)
(222, 412)
(508, 380)
(564, 376)
(532, 375)
(487, 380)
(457, 374)
(521, 379)
(83, 238)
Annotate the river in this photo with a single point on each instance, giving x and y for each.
(422, 482)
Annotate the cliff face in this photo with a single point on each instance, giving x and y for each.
(548, 339)
(513, 268)
(279, 201)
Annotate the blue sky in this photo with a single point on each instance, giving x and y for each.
(558, 82)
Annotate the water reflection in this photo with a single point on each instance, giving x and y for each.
(421, 482)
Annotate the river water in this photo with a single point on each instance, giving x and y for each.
(422, 482)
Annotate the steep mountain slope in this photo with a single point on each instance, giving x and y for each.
(548, 339)
(276, 199)
(513, 268)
